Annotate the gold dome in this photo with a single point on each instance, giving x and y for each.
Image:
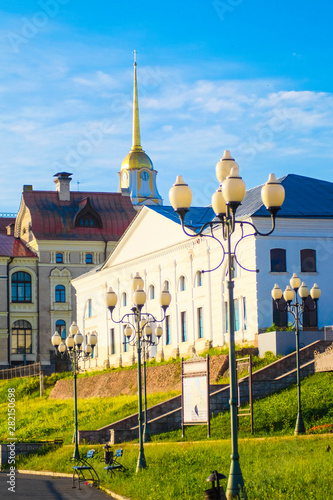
(136, 160)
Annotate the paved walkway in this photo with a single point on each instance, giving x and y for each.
(35, 487)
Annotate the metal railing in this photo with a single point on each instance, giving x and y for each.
(20, 371)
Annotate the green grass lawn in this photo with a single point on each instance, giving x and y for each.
(286, 468)
(275, 466)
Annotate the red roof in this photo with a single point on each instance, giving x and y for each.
(13, 247)
(54, 219)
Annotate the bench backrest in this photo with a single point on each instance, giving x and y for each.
(90, 453)
(119, 453)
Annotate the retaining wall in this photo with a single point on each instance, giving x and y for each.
(166, 416)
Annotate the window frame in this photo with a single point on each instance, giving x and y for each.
(311, 254)
(60, 293)
(60, 326)
(183, 326)
(25, 326)
(89, 258)
(59, 258)
(182, 283)
(277, 264)
(17, 285)
(200, 322)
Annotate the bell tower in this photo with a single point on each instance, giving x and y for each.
(137, 174)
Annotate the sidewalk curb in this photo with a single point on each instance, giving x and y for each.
(63, 474)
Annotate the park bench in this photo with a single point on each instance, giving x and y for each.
(84, 471)
(113, 463)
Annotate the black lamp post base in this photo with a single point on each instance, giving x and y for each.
(300, 427)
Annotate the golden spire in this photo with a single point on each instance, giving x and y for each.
(136, 144)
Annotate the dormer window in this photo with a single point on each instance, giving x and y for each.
(87, 216)
(88, 221)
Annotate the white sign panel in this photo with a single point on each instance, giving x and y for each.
(195, 399)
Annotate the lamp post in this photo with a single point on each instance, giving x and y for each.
(138, 331)
(225, 202)
(296, 309)
(73, 348)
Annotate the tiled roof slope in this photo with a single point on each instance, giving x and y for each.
(13, 247)
(54, 219)
(305, 198)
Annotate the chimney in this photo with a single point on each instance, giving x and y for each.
(62, 185)
(27, 187)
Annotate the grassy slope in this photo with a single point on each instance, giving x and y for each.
(273, 468)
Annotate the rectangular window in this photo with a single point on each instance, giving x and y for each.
(183, 326)
(167, 331)
(280, 315)
(244, 313)
(199, 319)
(236, 316)
(125, 341)
(310, 315)
(226, 313)
(112, 344)
(278, 260)
(308, 261)
(236, 313)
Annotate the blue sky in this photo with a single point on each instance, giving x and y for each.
(254, 77)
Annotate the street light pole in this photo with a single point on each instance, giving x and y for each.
(296, 309)
(76, 455)
(72, 347)
(137, 332)
(146, 434)
(141, 464)
(225, 202)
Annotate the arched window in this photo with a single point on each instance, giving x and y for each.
(198, 279)
(59, 258)
(166, 285)
(21, 337)
(60, 293)
(124, 300)
(278, 260)
(308, 261)
(182, 284)
(21, 287)
(61, 328)
(151, 292)
(89, 258)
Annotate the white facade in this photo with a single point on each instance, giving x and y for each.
(156, 248)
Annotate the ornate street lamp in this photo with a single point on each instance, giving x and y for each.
(297, 310)
(138, 332)
(225, 202)
(72, 347)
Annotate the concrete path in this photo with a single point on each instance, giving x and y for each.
(36, 487)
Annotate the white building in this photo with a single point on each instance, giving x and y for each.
(155, 246)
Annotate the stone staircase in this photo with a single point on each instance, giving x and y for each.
(166, 416)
